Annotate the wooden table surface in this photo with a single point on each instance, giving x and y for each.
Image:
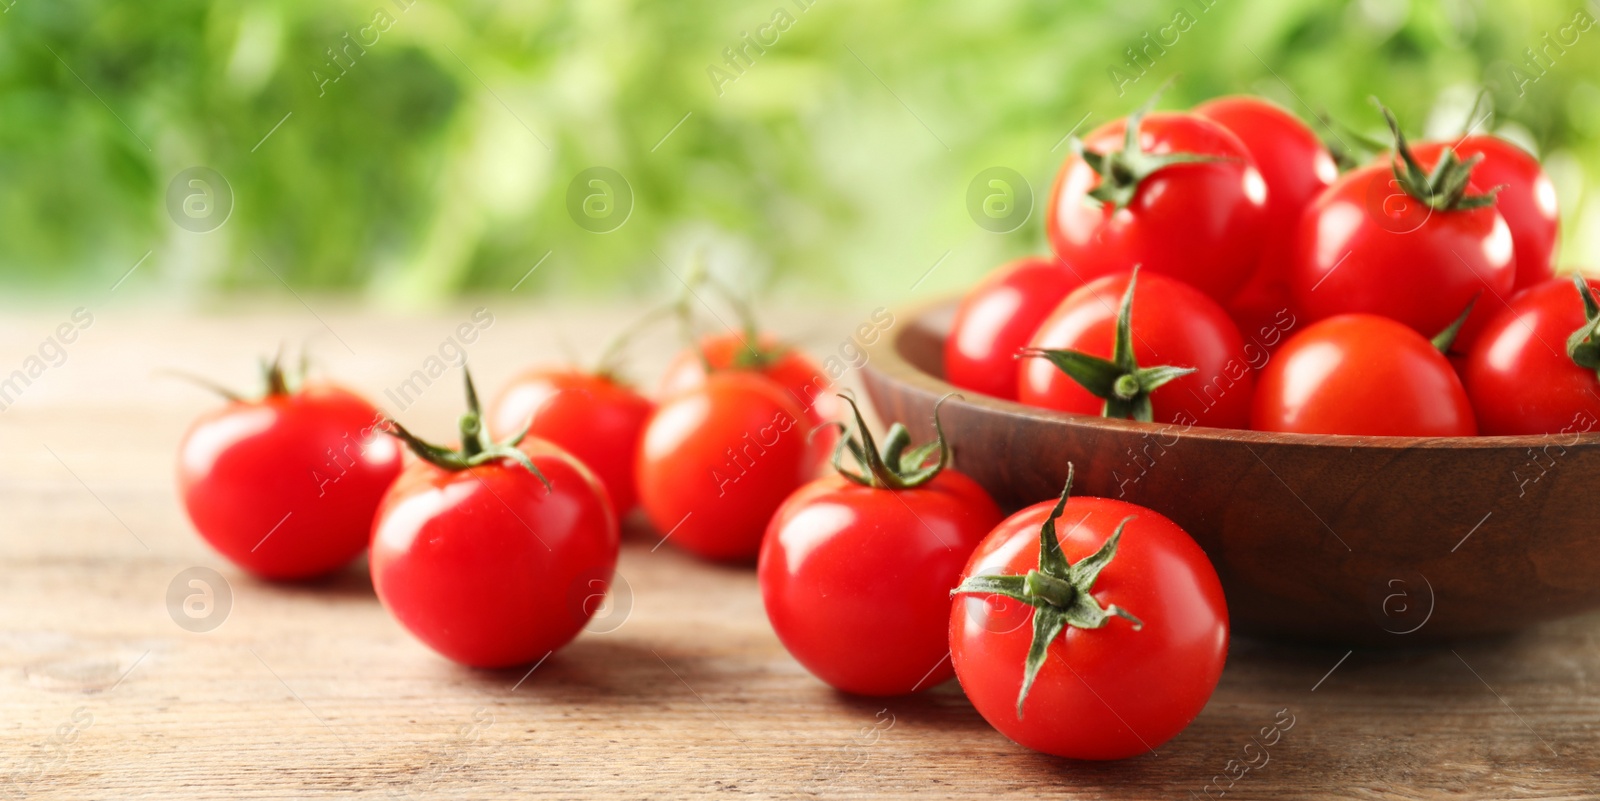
(680, 690)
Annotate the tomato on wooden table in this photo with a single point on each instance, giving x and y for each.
(592, 416)
(997, 317)
(717, 460)
(1092, 355)
(1526, 199)
(1175, 193)
(285, 485)
(1101, 643)
(1404, 239)
(1295, 166)
(857, 567)
(491, 555)
(1533, 367)
(1361, 374)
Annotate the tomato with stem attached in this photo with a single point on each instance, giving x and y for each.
(997, 317)
(1526, 198)
(492, 554)
(1100, 643)
(1533, 369)
(1405, 240)
(285, 485)
(857, 567)
(1086, 358)
(1363, 374)
(717, 460)
(1176, 193)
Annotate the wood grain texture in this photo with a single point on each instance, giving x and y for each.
(311, 691)
(1377, 540)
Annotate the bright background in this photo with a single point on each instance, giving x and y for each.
(439, 163)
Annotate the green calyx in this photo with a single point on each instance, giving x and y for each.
(1122, 171)
(1443, 189)
(1058, 590)
(897, 466)
(276, 381)
(1582, 346)
(1120, 381)
(476, 446)
(1446, 339)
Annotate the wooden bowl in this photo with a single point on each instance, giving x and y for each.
(1339, 539)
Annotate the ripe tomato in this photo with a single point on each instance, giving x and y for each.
(1524, 375)
(1168, 322)
(1404, 240)
(792, 370)
(285, 486)
(857, 567)
(1361, 374)
(491, 555)
(592, 416)
(1527, 199)
(1296, 167)
(1101, 644)
(999, 316)
(1194, 220)
(717, 459)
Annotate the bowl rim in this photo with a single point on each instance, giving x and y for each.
(888, 361)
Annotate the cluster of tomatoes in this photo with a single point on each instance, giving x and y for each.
(1282, 285)
(887, 575)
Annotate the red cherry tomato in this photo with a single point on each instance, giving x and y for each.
(791, 369)
(1375, 243)
(286, 486)
(486, 564)
(1527, 199)
(593, 417)
(997, 317)
(856, 570)
(1172, 324)
(1361, 374)
(716, 461)
(1197, 222)
(1519, 373)
(1296, 167)
(1111, 691)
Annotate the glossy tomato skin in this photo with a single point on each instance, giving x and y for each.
(285, 487)
(998, 316)
(857, 580)
(1365, 246)
(1519, 375)
(792, 370)
(1527, 199)
(1157, 678)
(485, 566)
(1296, 167)
(1361, 374)
(1196, 222)
(593, 417)
(1173, 324)
(718, 459)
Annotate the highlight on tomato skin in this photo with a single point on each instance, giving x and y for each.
(997, 317)
(1118, 676)
(285, 486)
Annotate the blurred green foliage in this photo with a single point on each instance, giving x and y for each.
(439, 162)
